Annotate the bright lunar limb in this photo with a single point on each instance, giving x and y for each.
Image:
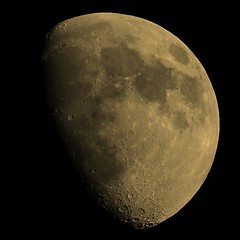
(136, 112)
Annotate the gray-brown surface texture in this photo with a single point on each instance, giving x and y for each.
(136, 112)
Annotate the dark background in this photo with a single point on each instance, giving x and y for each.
(49, 200)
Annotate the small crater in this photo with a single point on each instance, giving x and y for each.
(135, 219)
(63, 45)
(142, 211)
(150, 224)
(120, 210)
(49, 36)
(56, 112)
(130, 196)
(71, 117)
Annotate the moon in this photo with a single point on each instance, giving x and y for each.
(135, 110)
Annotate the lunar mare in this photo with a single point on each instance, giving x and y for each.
(136, 112)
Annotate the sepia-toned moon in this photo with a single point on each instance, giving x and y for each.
(136, 111)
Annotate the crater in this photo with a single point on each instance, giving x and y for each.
(179, 54)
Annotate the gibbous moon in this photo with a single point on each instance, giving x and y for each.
(136, 112)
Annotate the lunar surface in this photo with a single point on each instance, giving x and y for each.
(136, 112)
